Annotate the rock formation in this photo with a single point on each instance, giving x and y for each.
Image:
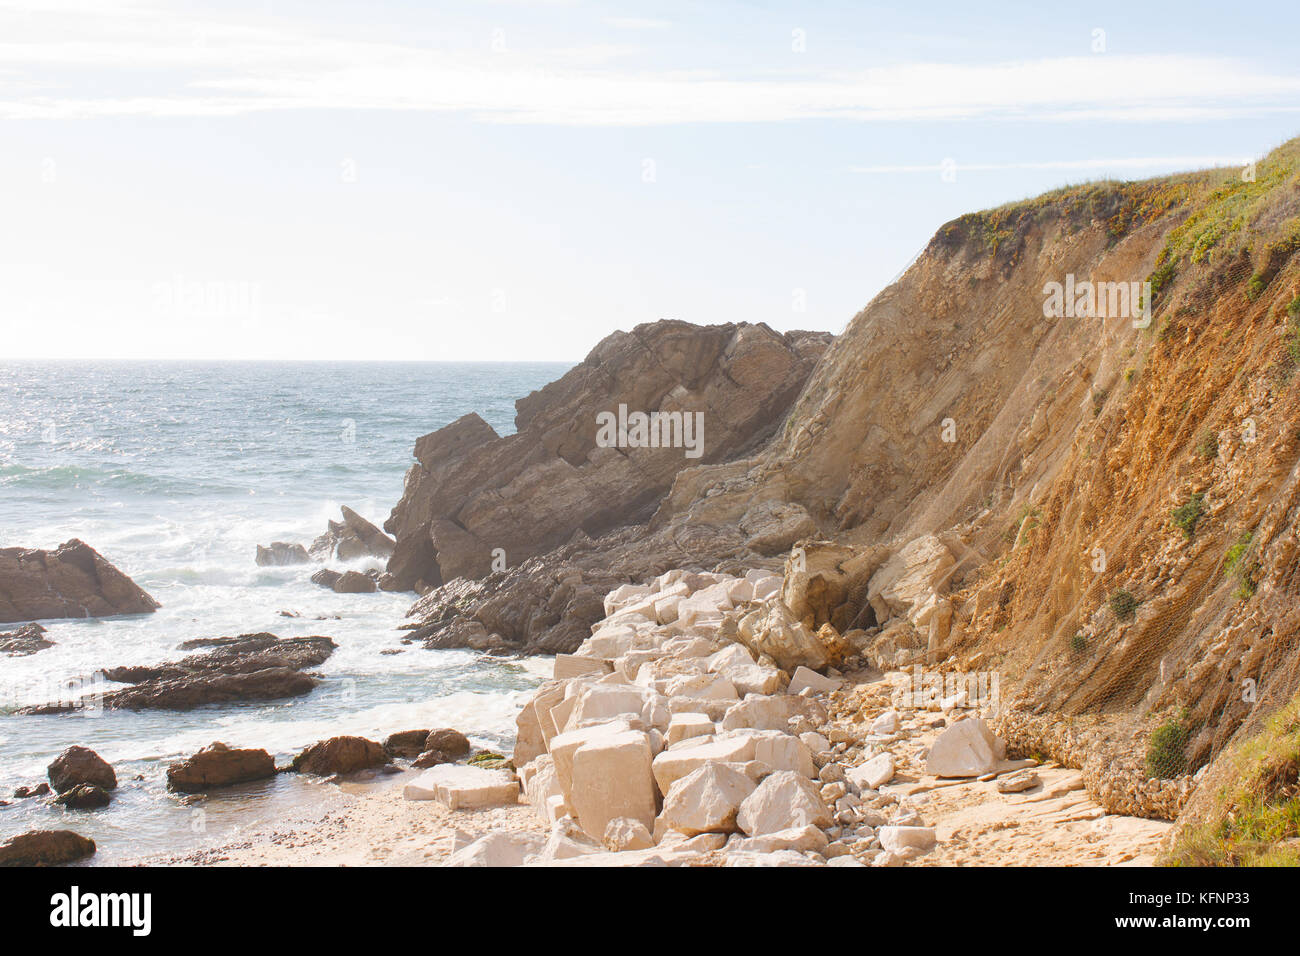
(219, 766)
(248, 667)
(27, 639)
(472, 496)
(45, 848)
(73, 580)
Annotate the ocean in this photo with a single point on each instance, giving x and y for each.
(175, 472)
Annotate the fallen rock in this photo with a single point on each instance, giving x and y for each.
(84, 796)
(611, 778)
(281, 553)
(45, 848)
(28, 639)
(1018, 782)
(873, 774)
(803, 678)
(40, 790)
(219, 766)
(499, 848)
(623, 834)
(706, 800)
(340, 755)
(966, 749)
(805, 839)
(782, 801)
(78, 765)
(73, 580)
(773, 630)
(898, 839)
(458, 787)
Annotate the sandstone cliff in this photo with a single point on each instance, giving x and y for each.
(1095, 507)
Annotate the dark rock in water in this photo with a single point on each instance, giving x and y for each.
(248, 667)
(281, 553)
(40, 790)
(407, 743)
(451, 742)
(45, 848)
(71, 581)
(354, 537)
(78, 765)
(28, 639)
(84, 796)
(431, 758)
(326, 578)
(219, 766)
(355, 582)
(340, 755)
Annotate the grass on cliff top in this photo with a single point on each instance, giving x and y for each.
(1255, 817)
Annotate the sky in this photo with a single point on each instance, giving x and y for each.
(516, 179)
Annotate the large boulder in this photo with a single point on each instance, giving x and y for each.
(773, 630)
(611, 778)
(84, 796)
(73, 580)
(406, 743)
(706, 800)
(340, 755)
(219, 766)
(783, 800)
(78, 765)
(458, 787)
(451, 742)
(45, 848)
(966, 749)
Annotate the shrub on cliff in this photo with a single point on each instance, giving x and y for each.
(1186, 516)
(1167, 749)
(1123, 604)
(1253, 817)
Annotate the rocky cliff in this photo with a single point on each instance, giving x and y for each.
(475, 502)
(1060, 451)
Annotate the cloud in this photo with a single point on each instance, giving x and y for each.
(132, 58)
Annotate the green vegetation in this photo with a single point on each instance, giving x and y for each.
(1293, 331)
(1186, 516)
(1167, 749)
(1240, 563)
(1078, 643)
(1208, 445)
(1253, 818)
(1026, 520)
(1124, 604)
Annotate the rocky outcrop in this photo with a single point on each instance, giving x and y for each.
(73, 580)
(45, 848)
(247, 667)
(346, 582)
(81, 765)
(27, 639)
(473, 496)
(219, 766)
(352, 538)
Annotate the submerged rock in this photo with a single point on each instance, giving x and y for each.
(73, 580)
(84, 796)
(28, 639)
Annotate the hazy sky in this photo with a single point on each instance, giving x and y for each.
(514, 180)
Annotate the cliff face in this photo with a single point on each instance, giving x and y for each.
(1096, 509)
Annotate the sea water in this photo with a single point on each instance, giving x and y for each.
(175, 472)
